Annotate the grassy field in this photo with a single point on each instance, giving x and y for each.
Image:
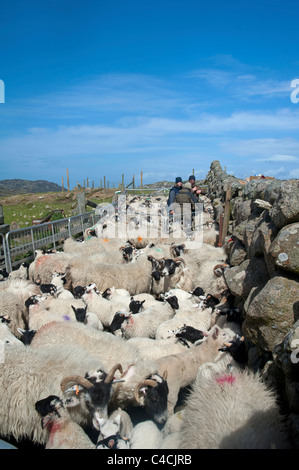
(20, 210)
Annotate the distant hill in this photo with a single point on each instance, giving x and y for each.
(18, 186)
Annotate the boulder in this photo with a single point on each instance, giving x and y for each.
(270, 312)
(243, 278)
(284, 249)
(285, 209)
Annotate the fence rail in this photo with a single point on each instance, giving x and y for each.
(19, 245)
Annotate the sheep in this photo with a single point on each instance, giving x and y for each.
(29, 375)
(134, 277)
(182, 368)
(20, 273)
(202, 320)
(114, 431)
(21, 287)
(58, 280)
(6, 335)
(14, 310)
(156, 348)
(62, 431)
(103, 308)
(44, 265)
(145, 323)
(145, 435)
(110, 349)
(231, 411)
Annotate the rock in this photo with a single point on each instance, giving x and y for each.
(243, 278)
(269, 312)
(237, 253)
(285, 208)
(284, 249)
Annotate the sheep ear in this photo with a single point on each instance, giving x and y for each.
(216, 332)
(117, 419)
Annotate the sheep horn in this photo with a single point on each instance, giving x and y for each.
(221, 265)
(110, 375)
(75, 378)
(180, 260)
(150, 382)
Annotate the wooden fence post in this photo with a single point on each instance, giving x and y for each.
(141, 180)
(62, 184)
(133, 181)
(68, 181)
(226, 215)
(104, 181)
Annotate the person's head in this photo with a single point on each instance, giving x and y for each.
(192, 179)
(178, 181)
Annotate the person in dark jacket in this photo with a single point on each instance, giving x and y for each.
(173, 192)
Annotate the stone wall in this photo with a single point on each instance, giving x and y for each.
(262, 245)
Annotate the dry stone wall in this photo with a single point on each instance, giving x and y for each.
(263, 253)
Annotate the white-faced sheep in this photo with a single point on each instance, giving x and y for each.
(231, 411)
(29, 375)
(115, 431)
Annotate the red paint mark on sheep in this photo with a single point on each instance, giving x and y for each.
(226, 378)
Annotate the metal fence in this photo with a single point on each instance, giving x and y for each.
(19, 245)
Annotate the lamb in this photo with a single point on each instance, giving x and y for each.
(62, 431)
(32, 374)
(114, 431)
(253, 421)
(146, 435)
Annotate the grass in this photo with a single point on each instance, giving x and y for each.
(19, 211)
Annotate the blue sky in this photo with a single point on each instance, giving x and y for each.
(112, 87)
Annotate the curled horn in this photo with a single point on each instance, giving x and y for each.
(150, 382)
(110, 375)
(180, 260)
(75, 378)
(219, 266)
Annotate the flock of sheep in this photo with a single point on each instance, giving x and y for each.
(108, 326)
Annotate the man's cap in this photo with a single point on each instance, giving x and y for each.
(178, 179)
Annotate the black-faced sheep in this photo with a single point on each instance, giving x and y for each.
(28, 375)
(62, 431)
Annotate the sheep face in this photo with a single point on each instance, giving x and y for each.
(154, 393)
